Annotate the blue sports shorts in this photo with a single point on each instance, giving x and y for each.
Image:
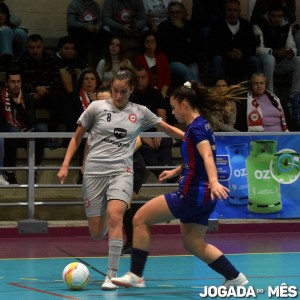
(188, 212)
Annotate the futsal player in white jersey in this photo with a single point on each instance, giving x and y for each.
(113, 126)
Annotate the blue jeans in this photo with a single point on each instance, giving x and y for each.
(183, 72)
(6, 40)
(284, 67)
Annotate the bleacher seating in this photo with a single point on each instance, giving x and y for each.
(74, 210)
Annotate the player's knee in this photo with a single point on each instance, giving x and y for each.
(138, 220)
(98, 234)
(114, 220)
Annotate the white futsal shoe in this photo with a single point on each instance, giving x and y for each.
(107, 284)
(241, 280)
(129, 280)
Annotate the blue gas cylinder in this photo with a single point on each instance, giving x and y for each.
(237, 182)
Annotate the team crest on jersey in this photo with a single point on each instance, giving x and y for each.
(132, 118)
(87, 202)
(120, 133)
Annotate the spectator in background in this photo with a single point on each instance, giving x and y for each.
(12, 38)
(155, 62)
(177, 38)
(156, 12)
(6, 38)
(276, 48)
(124, 18)
(84, 25)
(114, 58)
(86, 88)
(103, 92)
(264, 110)
(231, 46)
(17, 114)
(69, 67)
(40, 79)
(155, 151)
(223, 116)
(87, 85)
(261, 8)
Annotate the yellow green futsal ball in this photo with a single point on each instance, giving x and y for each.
(76, 275)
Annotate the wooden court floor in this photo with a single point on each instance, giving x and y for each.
(31, 267)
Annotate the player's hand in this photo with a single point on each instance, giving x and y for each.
(165, 175)
(218, 191)
(156, 142)
(62, 174)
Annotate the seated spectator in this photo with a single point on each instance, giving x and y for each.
(17, 114)
(12, 38)
(177, 39)
(261, 8)
(84, 25)
(124, 18)
(264, 110)
(231, 46)
(156, 12)
(2, 179)
(103, 92)
(40, 78)
(155, 151)
(69, 67)
(223, 116)
(155, 62)
(87, 85)
(114, 58)
(276, 48)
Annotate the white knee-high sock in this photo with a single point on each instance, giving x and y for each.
(114, 253)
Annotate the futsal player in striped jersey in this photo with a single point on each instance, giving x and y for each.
(195, 199)
(113, 126)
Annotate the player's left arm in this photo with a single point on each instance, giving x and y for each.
(170, 130)
(218, 190)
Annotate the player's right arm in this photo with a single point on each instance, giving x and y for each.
(73, 146)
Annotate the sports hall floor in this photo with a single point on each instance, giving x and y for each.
(31, 265)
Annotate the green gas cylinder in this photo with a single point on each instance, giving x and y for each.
(263, 190)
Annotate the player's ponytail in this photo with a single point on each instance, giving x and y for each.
(191, 91)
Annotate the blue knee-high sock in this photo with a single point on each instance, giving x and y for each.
(224, 267)
(138, 261)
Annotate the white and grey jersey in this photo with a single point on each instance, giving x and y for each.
(112, 134)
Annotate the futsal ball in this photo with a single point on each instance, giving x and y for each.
(76, 275)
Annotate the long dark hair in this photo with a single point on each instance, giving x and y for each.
(5, 10)
(107, 56)
(201, 97)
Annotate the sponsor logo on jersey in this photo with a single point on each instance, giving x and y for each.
(120, 133)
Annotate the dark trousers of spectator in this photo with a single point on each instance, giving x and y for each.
(89, 43)
(158, 157)
(139, 168)
(234, 71)
(11, 145)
